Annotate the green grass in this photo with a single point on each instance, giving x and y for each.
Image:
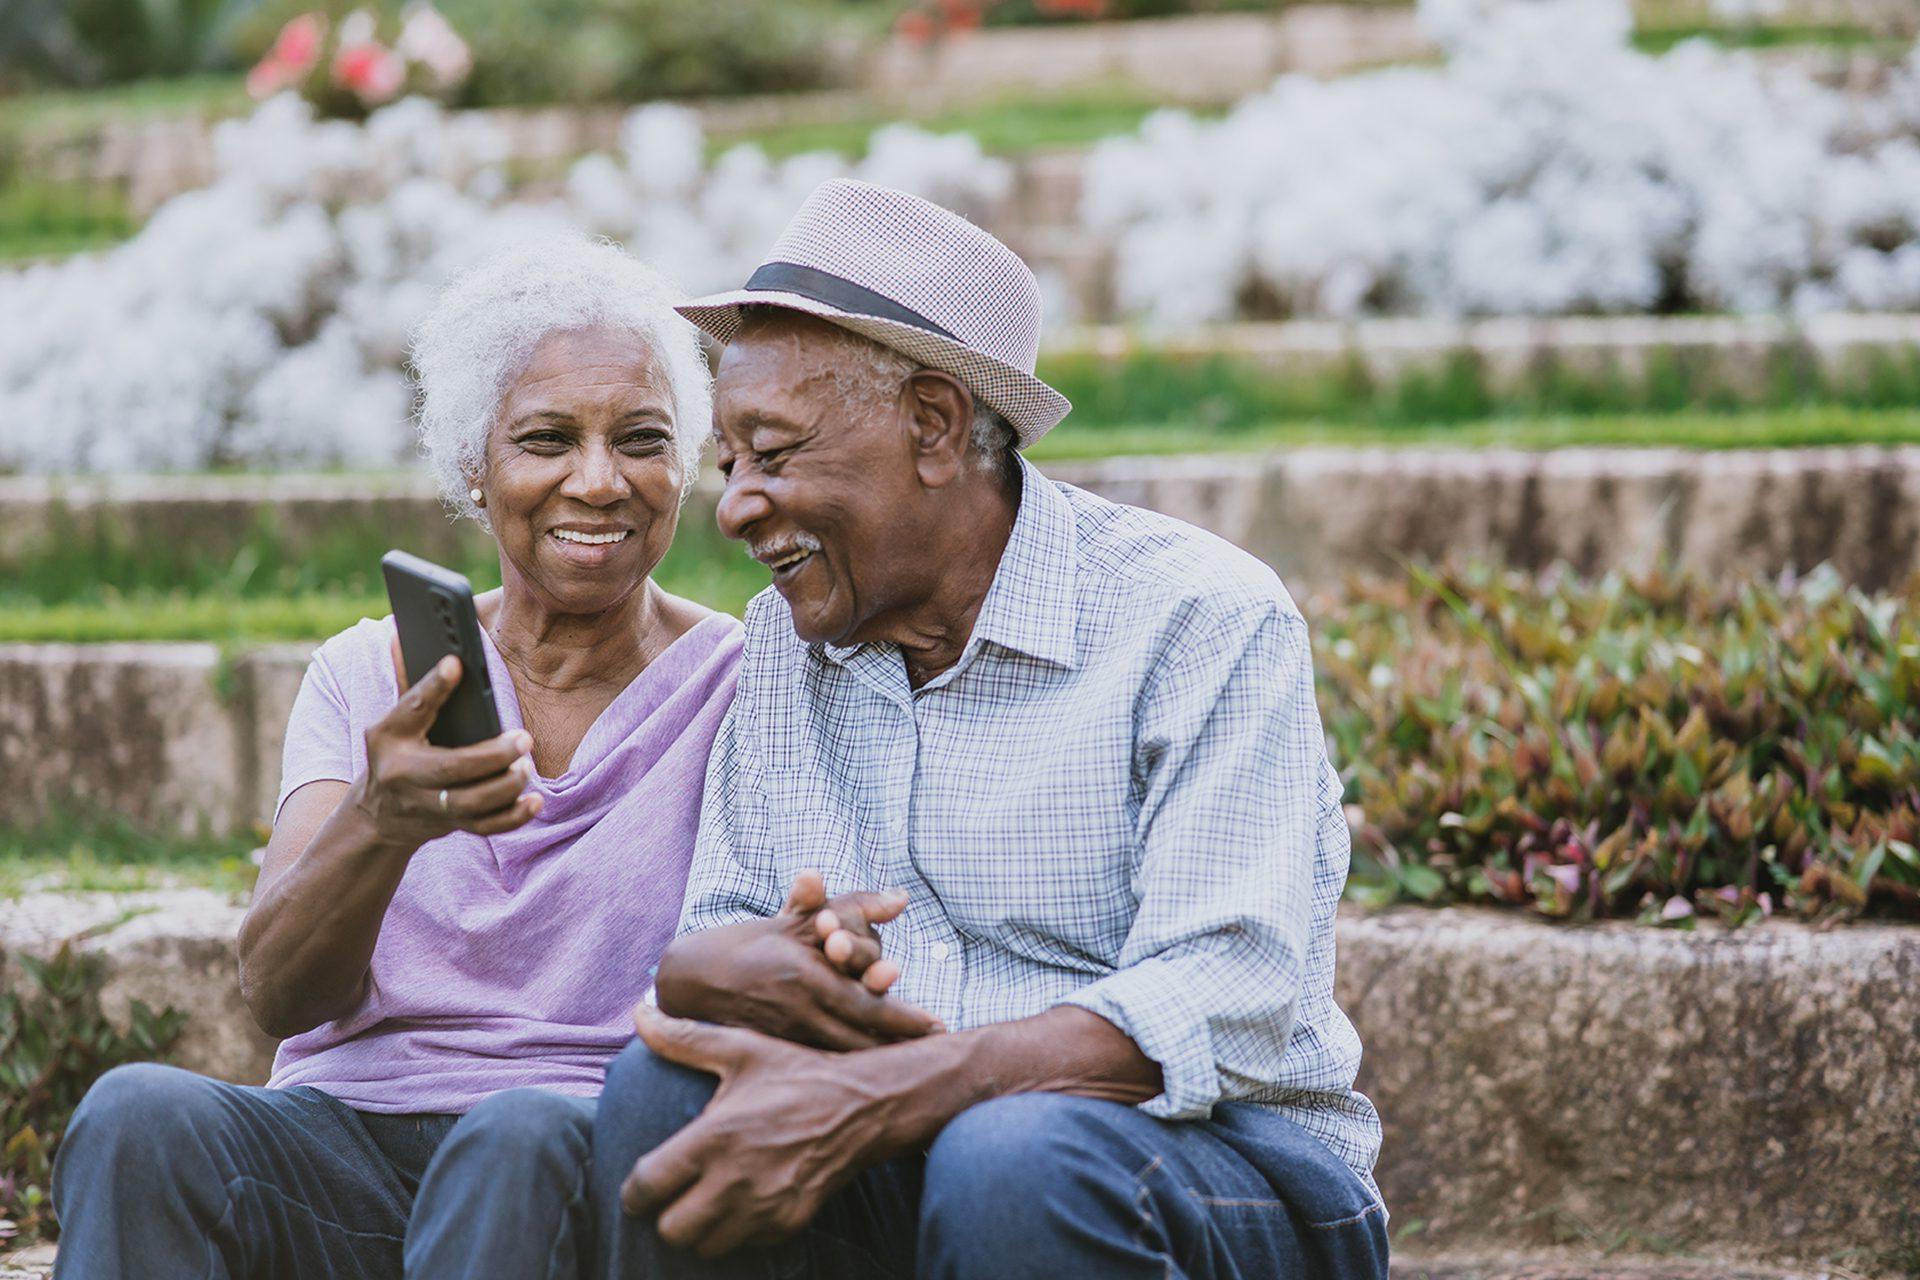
(51, 220)
(1767, 428)
(185, 616)
(1008, 126)
(1660, 38)
(1224, 391)
(40, 218)
(74, 110)
(107, 852)
(42, 603)
(76, 592)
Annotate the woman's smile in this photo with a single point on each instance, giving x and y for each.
(589, 545)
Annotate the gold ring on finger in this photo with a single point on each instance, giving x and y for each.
(443, 799)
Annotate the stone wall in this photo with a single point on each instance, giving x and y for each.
(1315, 514)
(194, 519)
(181, 737)
(172, 947)
(1741, 355)
(1196, 60)
(1744, 1095)
(172, 737)
(1748, 1092)
(1208, 59)
(1318, 515)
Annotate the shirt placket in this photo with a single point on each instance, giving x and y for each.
(937, 952)
(923, 941)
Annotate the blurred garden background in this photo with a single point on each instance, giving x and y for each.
(1564, 356)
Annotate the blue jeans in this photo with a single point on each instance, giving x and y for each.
(166, 1175)
(1031, 1185)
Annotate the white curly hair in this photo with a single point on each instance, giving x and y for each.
(485, 326)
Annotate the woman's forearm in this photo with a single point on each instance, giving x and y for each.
(308, 939)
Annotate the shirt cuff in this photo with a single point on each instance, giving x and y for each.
(1151, 1003)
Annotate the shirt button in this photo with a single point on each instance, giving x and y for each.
(940, 950)
(899, 824)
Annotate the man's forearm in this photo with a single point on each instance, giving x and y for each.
(922, 1084)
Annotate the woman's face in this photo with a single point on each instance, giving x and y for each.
(583, 482)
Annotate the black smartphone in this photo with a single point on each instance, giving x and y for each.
(433, 608)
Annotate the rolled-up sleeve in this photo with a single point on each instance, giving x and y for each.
(1232, 755)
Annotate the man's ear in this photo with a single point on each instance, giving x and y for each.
(939, 425)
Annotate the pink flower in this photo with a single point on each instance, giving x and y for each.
(299, 42)
(295, 51)
(266, 79)
(372, 72)
(914, 27)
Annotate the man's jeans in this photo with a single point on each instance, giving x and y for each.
(166, 1175)
(1032, 1185)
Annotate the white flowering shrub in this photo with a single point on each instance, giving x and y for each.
(1547, 168)
(264, 320)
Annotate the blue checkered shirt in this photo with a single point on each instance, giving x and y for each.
(1119, 798)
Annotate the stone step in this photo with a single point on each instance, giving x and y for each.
(1537, 1265)
(1723, 1096)
(166, 947)
(184, 737)
(175, 738)
(37, 1264)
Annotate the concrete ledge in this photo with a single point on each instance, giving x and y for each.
(1318, 515)
(192, 519)
(173, 737)
(166, 948)
(1738, 353)
(1552, 1264)
(37, 1264)
(1315, 514)
(1745, 1094)
(181, 737)
(1733, 1100)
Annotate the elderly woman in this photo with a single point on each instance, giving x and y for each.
(450, 940)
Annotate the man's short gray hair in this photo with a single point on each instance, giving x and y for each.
(869, 372)
(486, 324)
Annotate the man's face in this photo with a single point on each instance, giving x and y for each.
(821, 485)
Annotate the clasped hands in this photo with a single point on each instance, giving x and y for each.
(773, 1008)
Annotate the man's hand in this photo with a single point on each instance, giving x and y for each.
(789, 1126)
(786, 1128)
(812, 974)
(843, 927)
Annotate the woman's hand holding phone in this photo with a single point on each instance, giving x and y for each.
(413, 791)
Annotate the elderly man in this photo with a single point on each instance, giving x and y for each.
(1067, 753)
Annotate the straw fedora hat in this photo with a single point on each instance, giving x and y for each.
(914, 277)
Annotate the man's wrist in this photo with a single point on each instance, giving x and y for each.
(919, 1085)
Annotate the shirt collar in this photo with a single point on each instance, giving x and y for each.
(1030, 608)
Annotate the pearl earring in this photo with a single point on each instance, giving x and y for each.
(479, 499)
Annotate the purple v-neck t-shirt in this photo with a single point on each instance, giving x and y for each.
(515, 960)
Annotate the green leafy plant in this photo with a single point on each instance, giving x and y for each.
(54, 1043)
(90, 42)
(1650, 745)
